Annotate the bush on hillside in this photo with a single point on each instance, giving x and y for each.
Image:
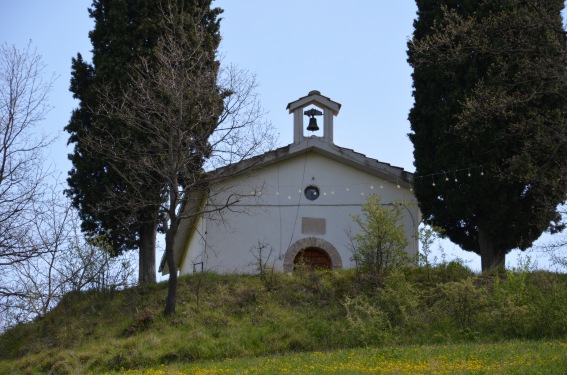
(380, 245)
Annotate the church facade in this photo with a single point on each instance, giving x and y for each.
(295, 204)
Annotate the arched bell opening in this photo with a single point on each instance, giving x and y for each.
(313, 258)
(318, 111)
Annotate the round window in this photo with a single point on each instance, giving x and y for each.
(311, 193)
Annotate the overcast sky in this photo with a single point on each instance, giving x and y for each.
(353, 52)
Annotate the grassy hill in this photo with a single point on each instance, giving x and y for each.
(237, 316)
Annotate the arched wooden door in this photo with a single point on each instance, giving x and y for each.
(313, 258)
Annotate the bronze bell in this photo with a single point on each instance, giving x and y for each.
(312, 124)
(312, 120)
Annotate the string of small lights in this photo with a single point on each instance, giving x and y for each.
(452, 174)
(291, 192)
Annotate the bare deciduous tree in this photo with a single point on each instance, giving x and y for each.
(65, 262)
(194, 118)
(556, 247)
(42, 253)
(23, 105)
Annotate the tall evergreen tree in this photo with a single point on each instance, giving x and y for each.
(126, 31)
(490, 93)
(187, 113)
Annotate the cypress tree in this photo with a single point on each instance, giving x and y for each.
(489, 121)
(125, 32)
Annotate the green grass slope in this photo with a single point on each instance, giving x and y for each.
(514, 357)
(230, 316)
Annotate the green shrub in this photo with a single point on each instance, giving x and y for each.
(547, 296)
(461, 304)
(399, 300)
(368, 324)
(531, 305)
(380, 245)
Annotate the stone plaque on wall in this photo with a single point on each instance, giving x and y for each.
(313, 225)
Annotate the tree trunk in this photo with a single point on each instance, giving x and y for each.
(147, 256)
(171, 301)
(490, 257)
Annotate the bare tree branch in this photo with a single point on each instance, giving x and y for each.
(65, 262)
(23, 105)
(194, 119)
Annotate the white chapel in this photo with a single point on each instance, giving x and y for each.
(303, 197)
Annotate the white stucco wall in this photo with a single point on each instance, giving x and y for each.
(223, 241)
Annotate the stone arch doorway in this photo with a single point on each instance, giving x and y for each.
(313, 258)
(318, 247)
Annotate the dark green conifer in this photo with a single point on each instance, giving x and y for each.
(490, 93)
(125, 32)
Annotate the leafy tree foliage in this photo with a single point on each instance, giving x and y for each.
(490, 93)
(125, 31)
(380, 244)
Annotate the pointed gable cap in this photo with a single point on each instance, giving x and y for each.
(314, 97)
